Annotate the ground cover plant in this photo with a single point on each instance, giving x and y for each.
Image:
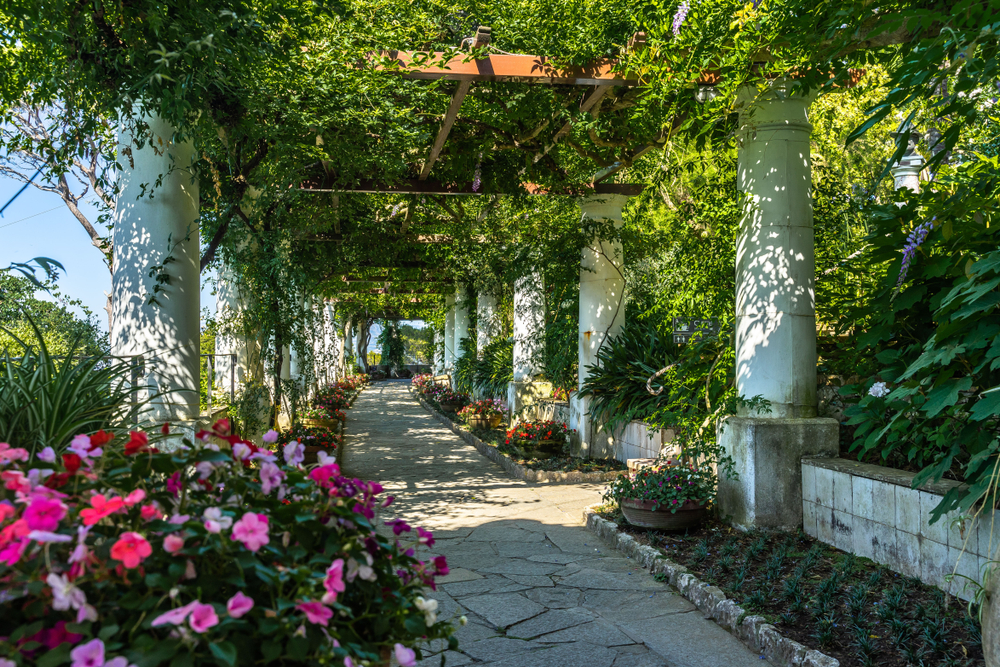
(558, 463)
(216, 553)
(310, 436)
(850, 608)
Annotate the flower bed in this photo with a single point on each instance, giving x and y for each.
(329, 439)
(850, 608)
(216, 553)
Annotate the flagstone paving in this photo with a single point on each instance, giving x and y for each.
(538, 589)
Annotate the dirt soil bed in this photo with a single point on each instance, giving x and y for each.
(852, 609)
(497, 436)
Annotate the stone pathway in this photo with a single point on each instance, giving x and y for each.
(537, 587)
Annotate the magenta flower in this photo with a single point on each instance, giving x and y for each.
(316, 612)
(239, 605)
(90, 654)
(203, 617)
(44, 514)
(441, 565)
(406, 657)
(425, 537)
(251, 530)
(174, 483)
(13, 551)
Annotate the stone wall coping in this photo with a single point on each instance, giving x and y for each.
(516, 469)
(754, 631)
(879, 473)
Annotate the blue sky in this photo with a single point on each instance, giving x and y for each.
(38, 223)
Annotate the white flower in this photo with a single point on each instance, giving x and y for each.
(64, 594)
(205, 469)
(295, 453)
(879, 390)
(216, 521)
(241, 451)
(323, 458)
(48, 455)
(354, 570)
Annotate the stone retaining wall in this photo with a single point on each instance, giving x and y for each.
(873, 512)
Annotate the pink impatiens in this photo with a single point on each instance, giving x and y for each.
(316, 612)
(334, 581)
(100, 508)
(251, 531)
(44, 514)
(173, 543)
(131, 549)
(203, 617)
(239, 605)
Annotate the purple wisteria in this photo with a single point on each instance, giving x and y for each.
(679, 17)
(913, 242)
(477, 181)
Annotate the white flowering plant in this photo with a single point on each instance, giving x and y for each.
(216, 553)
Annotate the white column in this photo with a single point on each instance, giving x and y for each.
(486, 324)
(775, 266)
(438, 353)
(602, 311)
(529, 326)
(461, 320)
(906, 172)
(149, 227)
(229, 305)
(775, 317)
(348, 346)
(449, 334)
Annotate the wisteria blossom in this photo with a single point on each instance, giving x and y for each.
(680, 16)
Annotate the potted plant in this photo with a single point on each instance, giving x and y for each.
(314, 439)
(213, 554)
(484, 414)
(316, 417)
(668, 495)
(452, 401)
(540, 439)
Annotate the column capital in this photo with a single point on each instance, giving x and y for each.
(778, 106)
(603, 207)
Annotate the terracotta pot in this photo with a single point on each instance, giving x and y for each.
(641, 513)
(322, 423)
(451, 406)
(312, 453)
(484, 423)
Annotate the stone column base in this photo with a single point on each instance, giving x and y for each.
(590, 441)
(768, 459)
(522, 394)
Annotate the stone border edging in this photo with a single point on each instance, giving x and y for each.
(516, 469)
(754, 631)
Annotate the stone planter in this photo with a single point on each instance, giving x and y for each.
(321, 423)
(991, 618)
(540, 449)
(641, 513)
(483, 423)
(312, 453)
(451, 406)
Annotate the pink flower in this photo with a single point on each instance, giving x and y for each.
(251, 530)
(334, 582)
(174, 483)
(90, 654)
(102, 507)
(8, 453)
(295, 453)
(135, 498)
(322, 474)
(12, 553)
(241, 451)
(216, 521)
(173, 543)
(316, 612)
(203, 617)
(270, 477)
(271, 436)
(131, 549)
(150, 512)
(48, 455)
(44, 514)
(6, 510)
(406, 657)
(175, 616)
(120, 661)
(239, 605)
(15, 481)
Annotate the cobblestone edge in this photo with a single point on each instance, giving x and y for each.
(515, 469)
(754, 631)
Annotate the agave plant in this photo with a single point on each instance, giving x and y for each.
(46, 400)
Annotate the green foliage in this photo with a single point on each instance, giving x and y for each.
(466, 365)
(418, 343)
(562, 329)
(45, 401)
(495, 370)
(393, 346)
(59, 327)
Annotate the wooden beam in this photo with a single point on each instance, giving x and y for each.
(449, 121)
(500, 67)
(414, 187)
(588, 104)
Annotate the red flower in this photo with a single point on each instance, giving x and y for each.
(58, 479)
(72, 463)
(137, 443)
(221, 427)
(101, 438)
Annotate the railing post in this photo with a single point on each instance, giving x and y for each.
(136, 370)
(211, 382)
(232, 379)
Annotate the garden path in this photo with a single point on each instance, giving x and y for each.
(538, 589)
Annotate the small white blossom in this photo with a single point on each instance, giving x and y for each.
(879, 390)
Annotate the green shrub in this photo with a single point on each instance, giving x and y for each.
(495, 370)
